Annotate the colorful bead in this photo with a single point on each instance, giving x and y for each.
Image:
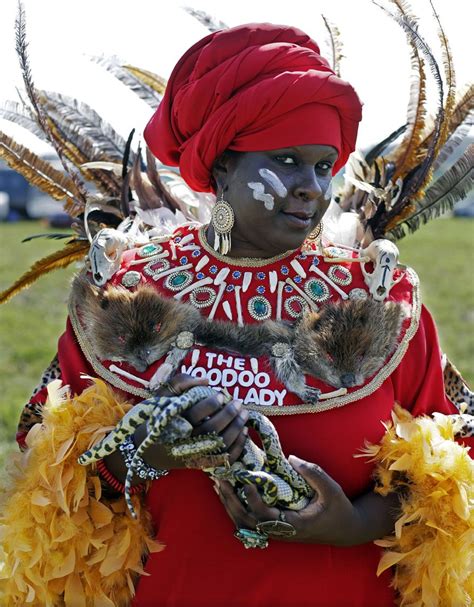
(199, 275)
(149, 249)
(154, 268)
(317, 289)
(315, 261)
(259, 307)
(358, 294)
(236, 274)
(288, 288)
(340, 275)
(177, 239)
(202, 297)
(297, 279)
(131, 278)
(284, 270)
(213, 269)
(261, 290)
(295, 306)
(230, 288)
(261, 275)
(196, 253)
(183, 261)
(178, 281)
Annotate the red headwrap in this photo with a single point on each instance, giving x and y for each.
(251, 88)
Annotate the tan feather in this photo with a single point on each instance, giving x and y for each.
(407, 154)
(157, 83)
(73, 251)
(336, 45)
(35, 170)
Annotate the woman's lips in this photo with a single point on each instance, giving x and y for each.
(298, 220)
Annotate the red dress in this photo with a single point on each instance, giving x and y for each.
(203, 565)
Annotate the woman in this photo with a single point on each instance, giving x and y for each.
(256, 115)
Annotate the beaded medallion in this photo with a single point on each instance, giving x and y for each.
(358, 294)
(178, 280)
(131, 278)
(317, 289)
(154, 268)
(295, 306)
(202, 297)
(340, 275)
(149, 249)
(259, 307)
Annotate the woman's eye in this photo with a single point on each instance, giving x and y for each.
(285, 159)
(325, 167)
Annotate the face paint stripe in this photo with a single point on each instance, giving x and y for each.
(259, 193)
(274, 181)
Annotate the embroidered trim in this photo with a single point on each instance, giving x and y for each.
(247, 262)
(325, 405)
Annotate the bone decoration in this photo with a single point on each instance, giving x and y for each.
(384, 256)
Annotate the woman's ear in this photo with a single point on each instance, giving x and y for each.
(220, 170)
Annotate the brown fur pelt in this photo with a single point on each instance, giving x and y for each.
(346, 343)
(136, 326)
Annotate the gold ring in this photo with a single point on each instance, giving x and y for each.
(168, 386)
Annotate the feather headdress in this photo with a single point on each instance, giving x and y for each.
(392, 191)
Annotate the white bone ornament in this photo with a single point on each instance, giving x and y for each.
(384, 256)
(105, 254)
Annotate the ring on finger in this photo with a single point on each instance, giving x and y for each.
(169, 386)
(278, 528)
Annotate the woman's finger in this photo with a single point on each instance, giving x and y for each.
(234, 507)
(205, 408)
(221, 419)
(180, 383)
(234, 429)
(235, 449)
(258, 507)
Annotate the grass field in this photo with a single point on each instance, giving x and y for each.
(442, 253)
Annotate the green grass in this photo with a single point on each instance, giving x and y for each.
(442, 253)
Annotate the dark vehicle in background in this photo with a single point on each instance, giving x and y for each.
(20, 200)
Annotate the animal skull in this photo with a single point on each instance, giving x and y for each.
(384, 256)
(105, 254)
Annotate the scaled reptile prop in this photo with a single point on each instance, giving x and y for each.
(268, 469)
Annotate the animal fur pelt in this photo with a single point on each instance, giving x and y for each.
(62, 541)
(434, 536)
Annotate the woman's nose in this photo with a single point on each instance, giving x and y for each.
(307, 187)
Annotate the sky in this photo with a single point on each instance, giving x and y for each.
(153, 34)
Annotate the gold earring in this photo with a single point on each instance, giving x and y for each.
(312, 241)
(222, 220)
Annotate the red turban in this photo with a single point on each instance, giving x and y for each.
(250, 88)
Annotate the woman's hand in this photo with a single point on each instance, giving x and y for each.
(329, 518)
(211, 414)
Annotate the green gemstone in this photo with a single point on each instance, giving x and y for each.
(260, 307)
(317, 289)
(178, 280)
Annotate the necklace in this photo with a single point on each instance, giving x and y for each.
(249, 262)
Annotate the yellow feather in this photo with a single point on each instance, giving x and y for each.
(73, 251)
(157, 83)
(59, 544)
(36, 170)
(432, 547)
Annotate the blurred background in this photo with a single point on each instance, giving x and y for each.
(64, 34)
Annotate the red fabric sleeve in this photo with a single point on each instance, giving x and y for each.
(418, 381)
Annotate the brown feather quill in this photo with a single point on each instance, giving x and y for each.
(73, 251)
(157, 83)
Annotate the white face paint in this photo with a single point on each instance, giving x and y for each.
(258, 191)
(274, 181)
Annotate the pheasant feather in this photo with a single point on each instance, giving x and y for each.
(210, 22)
(454, 185)
(37, 171)
(115, 67)
(73, 251)
(155, 82)
(336, 45)
(407, 154)
(22, 116)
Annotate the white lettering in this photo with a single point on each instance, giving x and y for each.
(262, 380)
(214, 376)
(229, 378)
(251, 397)
(225, 360)
(267, 397)
(210, 358)
(246, 378)
(280, 394)
(239, 364)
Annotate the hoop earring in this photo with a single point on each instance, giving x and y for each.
(222, 220)
(312, 241)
